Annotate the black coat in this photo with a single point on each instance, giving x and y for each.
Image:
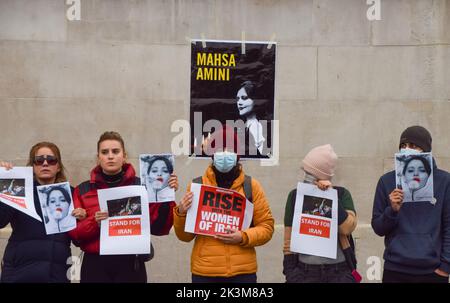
(31, 255)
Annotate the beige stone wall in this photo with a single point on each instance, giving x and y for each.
(341, 79)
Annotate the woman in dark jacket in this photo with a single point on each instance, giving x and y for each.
(31, 255)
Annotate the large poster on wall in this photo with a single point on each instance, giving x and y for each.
(233, 83)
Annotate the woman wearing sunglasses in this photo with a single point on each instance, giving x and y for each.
(31, 255)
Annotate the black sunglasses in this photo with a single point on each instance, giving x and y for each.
(51, 160)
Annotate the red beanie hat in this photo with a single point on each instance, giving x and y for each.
(223, 139)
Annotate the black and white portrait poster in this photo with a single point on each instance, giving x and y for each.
(233, 83)
(57, 206)
(414, 175)
(155, 174)
(16, 190)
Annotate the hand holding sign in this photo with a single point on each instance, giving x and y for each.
(6, 165)
(396, 198)
(79, 213)
(233, 236)
(100, 216)
(185, 203)
(173, 182)
(323, 184)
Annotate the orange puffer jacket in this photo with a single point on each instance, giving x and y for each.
(213, 258)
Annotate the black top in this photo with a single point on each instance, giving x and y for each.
(31, 255)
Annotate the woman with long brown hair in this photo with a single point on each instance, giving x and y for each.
(31, 255)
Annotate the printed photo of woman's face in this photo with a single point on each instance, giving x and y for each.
(416, 175)
(58, 204)
(244, 103)
(159, 175)
(135, 207)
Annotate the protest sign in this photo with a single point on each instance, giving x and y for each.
(155, 173)
(56, 205)
(16, 190)
(127, 229)
(414, 175)
(216, 210)
(314, 227)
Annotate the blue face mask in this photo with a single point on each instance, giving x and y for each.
(409, 151)
(224, 161)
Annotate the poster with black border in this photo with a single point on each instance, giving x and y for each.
(233, 82)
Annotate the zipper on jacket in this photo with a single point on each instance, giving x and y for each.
(227, 248)
(136, 263)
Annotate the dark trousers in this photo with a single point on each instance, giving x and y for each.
(324, 273)
(113, 269)
(246, 278)
(398, 277)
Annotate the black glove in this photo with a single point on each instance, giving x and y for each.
(342, 214)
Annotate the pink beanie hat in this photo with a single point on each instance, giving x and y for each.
(320, 162)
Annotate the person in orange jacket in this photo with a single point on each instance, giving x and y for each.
(227, 257)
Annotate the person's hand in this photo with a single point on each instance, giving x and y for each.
(396, 198)
(232, 237)
(100, 215)
(323, 184)
(185, 202)
(6, 165)
(79, 213)
(441, 273)
(173, 181)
